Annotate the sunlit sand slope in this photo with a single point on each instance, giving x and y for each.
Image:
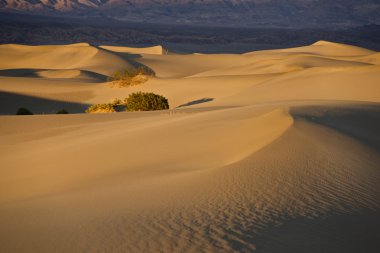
(159, 50)
(269, 151)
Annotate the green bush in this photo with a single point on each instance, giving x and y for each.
(146, 101)
(63, 111)
(131, 77)
(101, 108)
(23, 111)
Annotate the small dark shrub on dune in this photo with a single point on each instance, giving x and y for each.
(23, 111)
(63, 111)
(146, 101)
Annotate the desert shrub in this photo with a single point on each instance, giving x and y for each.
(117, 102)
(131, 77)
(63, 111)
(23, 111)
(146, 101)
(101, 108)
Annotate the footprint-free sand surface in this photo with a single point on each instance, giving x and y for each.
(268, 151)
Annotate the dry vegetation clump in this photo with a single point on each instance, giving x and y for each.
(23, 111)
(146, 101)
(117, 102)
(101, 108)
(132, 77)
(139, 101)
(63, 111)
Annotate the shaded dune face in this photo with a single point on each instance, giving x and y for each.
(270, 151)
(75, 56)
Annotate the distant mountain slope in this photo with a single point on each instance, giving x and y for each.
(32, 30)
(278, 13)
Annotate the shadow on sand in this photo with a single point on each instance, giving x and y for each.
(360, 121)
(195, 102)
(34, 73)
(11, 102)
(131, 58)
(361, 234)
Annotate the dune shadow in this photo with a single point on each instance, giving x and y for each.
(195, 102)
(11, 102)
(20, 72)
(355, 232)
(361, 121)
(126, 55)
(34, 73)
(132, 59)
(99, 77)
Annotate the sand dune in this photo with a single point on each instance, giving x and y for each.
(325, 48)
(158, 50)
(269, 151)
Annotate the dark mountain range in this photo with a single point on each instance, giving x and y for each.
(33, 30)
(243, 13)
